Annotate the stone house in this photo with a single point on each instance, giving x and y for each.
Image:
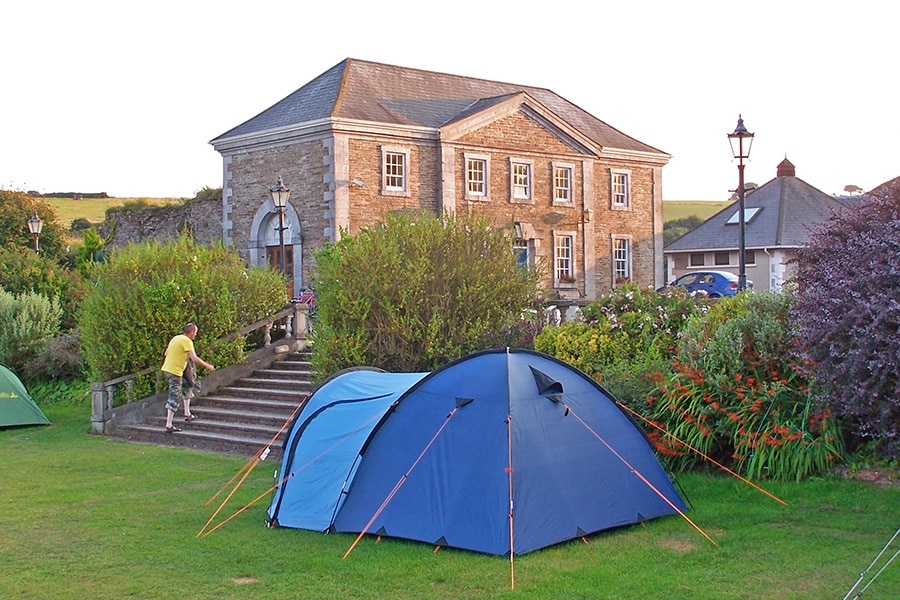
(364, 139)
(779, 217)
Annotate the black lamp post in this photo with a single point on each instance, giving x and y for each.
(35, 224)
(280, 195)
(740, 141)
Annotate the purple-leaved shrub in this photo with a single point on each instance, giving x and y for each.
(847, 312)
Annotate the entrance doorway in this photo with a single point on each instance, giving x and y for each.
(273, 257)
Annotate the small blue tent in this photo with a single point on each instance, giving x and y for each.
(503, 451)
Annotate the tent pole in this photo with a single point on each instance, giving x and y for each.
(260, 456)
(869, 568)
(509, 472)
(640, 476)
(709, 458)
(259, 452)
(399, 483)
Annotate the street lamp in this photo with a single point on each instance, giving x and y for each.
(35, 224)
(740, 141)
(280, 195)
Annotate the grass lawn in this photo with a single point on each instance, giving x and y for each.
(82, 516)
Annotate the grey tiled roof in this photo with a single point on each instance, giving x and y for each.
(379, 93)
(790, 210)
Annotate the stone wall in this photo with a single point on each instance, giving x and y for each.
(203, 217)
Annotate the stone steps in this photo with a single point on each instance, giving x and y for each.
(243, 417)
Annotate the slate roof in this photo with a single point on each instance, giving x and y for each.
(790, 209)
(378, 93)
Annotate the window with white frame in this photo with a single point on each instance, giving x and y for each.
(562, 183)
(621, 188)
(395, 170)
(564, 258)
(749, 215)
(477, 176)
(520, 180)
(621, 250)
(522, 249)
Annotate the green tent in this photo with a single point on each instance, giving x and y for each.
(16, 405)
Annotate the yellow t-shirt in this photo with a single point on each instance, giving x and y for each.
(177, 353)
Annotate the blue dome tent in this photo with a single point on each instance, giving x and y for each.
(501, 452)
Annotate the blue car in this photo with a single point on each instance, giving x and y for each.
(714, 284)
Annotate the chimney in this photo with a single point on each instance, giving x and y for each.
(786, 169)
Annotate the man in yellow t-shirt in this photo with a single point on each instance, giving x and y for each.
(179, 351)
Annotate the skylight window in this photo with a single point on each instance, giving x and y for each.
(749, 213)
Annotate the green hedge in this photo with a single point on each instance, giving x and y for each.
(146, 292)
(415, 292)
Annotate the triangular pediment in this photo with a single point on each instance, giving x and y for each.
(489, 117)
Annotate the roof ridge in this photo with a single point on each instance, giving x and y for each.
(339, 99)
(446, 74)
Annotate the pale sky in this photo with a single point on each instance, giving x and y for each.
(123, 98)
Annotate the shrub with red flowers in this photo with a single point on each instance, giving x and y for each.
(848, 315)
(739, 395)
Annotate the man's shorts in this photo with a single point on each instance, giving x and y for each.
(173, 402)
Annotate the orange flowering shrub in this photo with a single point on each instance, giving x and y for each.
(739, 394)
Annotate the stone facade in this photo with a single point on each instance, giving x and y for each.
(202, 217)
(335, 165)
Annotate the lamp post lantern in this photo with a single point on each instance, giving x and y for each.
(280, 195)
(741, 140)
(35, 224)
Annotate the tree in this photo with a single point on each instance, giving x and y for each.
(412, 293)
(749, 186)
(674, 229)
(90, 252)
(15, 210)
(853, 189)
(848, 312)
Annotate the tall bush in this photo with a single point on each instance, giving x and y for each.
(59, 359)
(739, 394)
(145, 293)
(27, 321)
(848, 314)
(415, 292)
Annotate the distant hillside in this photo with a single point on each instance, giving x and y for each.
(681, 209)
(94, 209)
